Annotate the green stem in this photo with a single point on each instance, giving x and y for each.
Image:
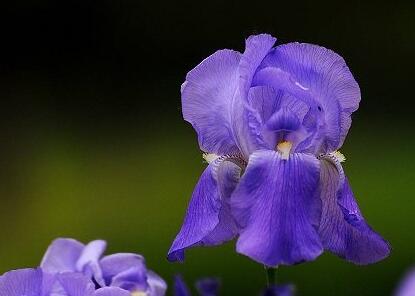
(271, 273)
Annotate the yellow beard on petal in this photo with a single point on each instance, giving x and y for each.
(138, 293)
(284, 148)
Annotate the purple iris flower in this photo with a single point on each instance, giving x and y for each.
(123, 270)
(270, 122)
(36, 282)
(204, 287)
(279, 290)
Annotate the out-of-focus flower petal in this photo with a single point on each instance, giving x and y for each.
(48, 282)
(157, 286)
(208, 286)
(311, 71)
(207, 221)
(276, 206)
(180, 288)
(132, 279)
(279, 290)
(88, 261)
(76, 284)
(343, 229)
(27, 282)
(62, 255)
(207, 97)
(407, 286)
(91, 253)
(114, 264)
(111, 291)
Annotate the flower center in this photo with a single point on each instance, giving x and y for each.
(138, 293)
(284, 148)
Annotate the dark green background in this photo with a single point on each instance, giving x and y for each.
(93, 144)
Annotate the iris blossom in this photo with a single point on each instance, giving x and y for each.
(204, 287)
(279, 290)
(36, 282)
(123, 270)
(270, 122)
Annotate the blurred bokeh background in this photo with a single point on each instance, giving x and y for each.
(93, 145)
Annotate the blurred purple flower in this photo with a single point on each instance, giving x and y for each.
(35, 282)
(204, 287)
(208, 286)
(180, 288)
(124, 270)
(407, 286)
(270, 122)
(279, 290)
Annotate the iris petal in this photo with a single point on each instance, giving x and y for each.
(131, 279)
(208, 221)
(180, 287)
(407, 285)
(20, 282)
(207, 97)
(157, 286)
(256, 48)
(343, 229)
(308, 70)
(88, 261)
(265, 100)
(111, 291)
(277, 208)
(114, 264)
(208, 286)
(283, 120)
(279, 290)
(246, 122)
(62, 255)
(76, 284)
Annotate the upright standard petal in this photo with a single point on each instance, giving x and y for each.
(256, 48)
(277, 207)
(246, 121)
(88, 261)
(343, 229)
(207, 97)
(311, 71)
(208, 220)
(91, 253)
(62, 255)
(27, 282)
